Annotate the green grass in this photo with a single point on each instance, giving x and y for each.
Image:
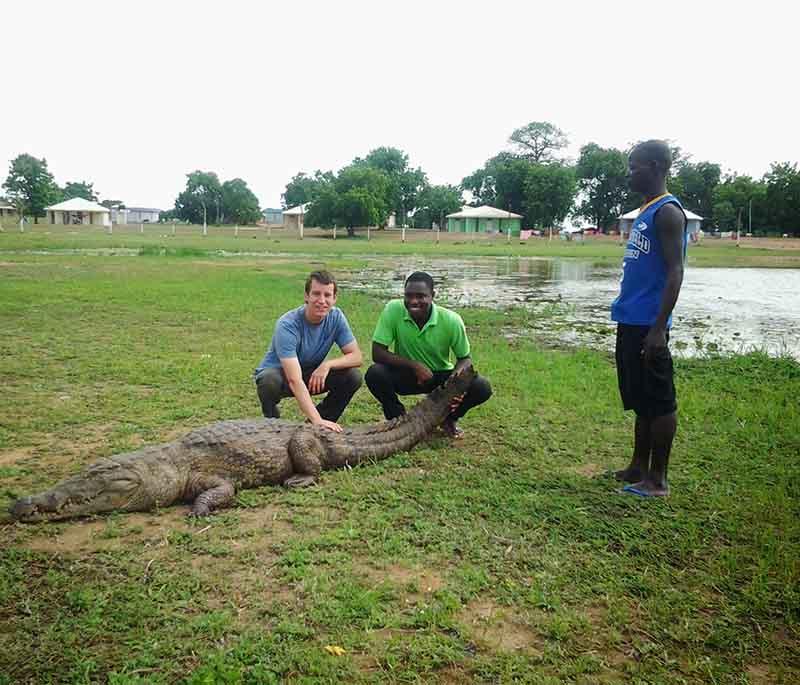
(501, 559)
(189, 241)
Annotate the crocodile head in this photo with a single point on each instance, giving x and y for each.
(104, 486)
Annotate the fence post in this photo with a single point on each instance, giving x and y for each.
(236, 231)
(367, 233)
(173, 227)
(404, 233)
(508, 236)
(437, 234)
(141, 227)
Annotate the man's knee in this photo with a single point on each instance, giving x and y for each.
(270, 383)
(349, 379)
(378, 376)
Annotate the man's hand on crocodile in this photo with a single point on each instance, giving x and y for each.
(330, 425)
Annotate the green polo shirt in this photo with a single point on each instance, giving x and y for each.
(443, 332)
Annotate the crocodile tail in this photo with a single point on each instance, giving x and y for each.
(383, 439)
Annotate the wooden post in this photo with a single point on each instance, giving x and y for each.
(437, 234)
(141, 227)
(368, 234)
(404, 233)
(236, 231)
(508, 235)
(269, 230)
(173, 227)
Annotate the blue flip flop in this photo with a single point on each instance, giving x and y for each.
(631, 490)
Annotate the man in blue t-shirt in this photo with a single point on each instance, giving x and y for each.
(295, 363)
(652, 274)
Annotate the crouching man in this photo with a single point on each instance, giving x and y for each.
(295, 363)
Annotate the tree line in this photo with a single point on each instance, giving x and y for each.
(30, 187)
(534, 179)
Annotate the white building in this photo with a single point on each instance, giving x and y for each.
(78, 211)
(693, 222)
(293, 217)
(143, 215)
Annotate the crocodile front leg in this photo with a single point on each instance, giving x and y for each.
(216, 493)
(307, 454)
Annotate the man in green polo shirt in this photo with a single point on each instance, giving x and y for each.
(423, 336)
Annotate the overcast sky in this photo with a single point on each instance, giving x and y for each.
(134, 95)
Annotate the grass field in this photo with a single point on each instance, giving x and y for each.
(711, 252)
(504, 558)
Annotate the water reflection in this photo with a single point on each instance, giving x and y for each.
(720, 309)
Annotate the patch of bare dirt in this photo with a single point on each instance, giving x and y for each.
(150, 531)
(497, 628)
(425, 581)
(590, 470)
(13, 456)
(759, 674)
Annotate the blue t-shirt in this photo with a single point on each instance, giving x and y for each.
(644, 271)
(295, 337)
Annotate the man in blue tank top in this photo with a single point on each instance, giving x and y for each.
(295, 363)
(652, 273)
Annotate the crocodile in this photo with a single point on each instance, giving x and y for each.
(210, 464)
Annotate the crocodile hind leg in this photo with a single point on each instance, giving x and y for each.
(216, 493)
(307, 455)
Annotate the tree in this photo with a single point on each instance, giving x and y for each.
(782, 183)
(303, 188)
(482, 184)
(549, 191)
(602, 179)
(405, 184)
(30, 186)
(203, 194)
(239, 204)
(735, 198)
(82, 189)
(539, 141)
(358, 196)
(694, 185)
(434, 203)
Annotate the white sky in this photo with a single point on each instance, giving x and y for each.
(134, 95)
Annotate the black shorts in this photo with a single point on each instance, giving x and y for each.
(647, 388)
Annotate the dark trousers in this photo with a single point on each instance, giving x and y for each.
(387, 382)
(341, 385)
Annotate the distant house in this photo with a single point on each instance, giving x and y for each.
(273, 217)
(78, 211)
(293, 217)
(484, 219)
(693, 222)
(143, 215)
(7, 210)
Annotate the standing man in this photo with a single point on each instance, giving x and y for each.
(652, 273)
(423, 336)
(295, 363)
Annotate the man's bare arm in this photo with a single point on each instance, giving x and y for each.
(382, 355)
(670, 224)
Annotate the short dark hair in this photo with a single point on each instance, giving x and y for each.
(421, 277)
(322, 276)
(655, 151)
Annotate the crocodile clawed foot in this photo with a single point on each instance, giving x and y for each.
(299, 481)
(199, 511)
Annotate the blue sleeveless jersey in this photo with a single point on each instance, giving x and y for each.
(644, 273)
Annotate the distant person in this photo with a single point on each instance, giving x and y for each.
(425, 338)
(295, 363)
(652, 273)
